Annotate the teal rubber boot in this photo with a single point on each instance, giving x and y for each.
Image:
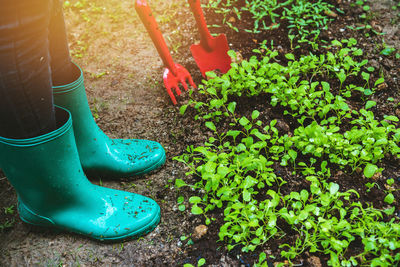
(100, 155)
(54, 192)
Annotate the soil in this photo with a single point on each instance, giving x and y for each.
(125, 89)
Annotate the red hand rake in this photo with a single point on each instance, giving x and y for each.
(173, 73)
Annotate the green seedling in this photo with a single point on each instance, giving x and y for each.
(305, 19)
(181, 206)
(200, 262)
(9, 210)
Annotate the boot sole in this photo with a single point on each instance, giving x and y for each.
(133, 235)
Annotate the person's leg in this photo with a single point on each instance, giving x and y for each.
(62, 69)
(26, 100)
(99, 155)
(40, 159)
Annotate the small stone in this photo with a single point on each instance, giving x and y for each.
(283, 126)
(376, 176)
(382, 86)
(314, 261)
(339, 175)
(375, 26)
(232, 19)
(374, 63)
(330, 13)
(199, 231)
(239, 57)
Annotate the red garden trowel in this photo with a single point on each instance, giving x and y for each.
(173, 73)
(211, 53)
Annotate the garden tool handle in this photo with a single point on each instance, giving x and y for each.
(147, 17)
(205, 36)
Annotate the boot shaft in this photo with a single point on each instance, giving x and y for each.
(36, 167)
(73, 97)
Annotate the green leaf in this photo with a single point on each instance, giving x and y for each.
(211, 75)
(194, 199)
(365, 76)
(212, 90)
(387, 51)
(370, 170)
(232, 107)
(196, 210)
(390, 211)
(182, 109)
(211, 126)
(233, 133)
(370, 104)
(304, 195)
(244, 121)
(342, 76)
(336, 43)
(379, 81)
(391, 118)
(182, 207)
(232, 54)
(325, 86)
(292, 154)
(180, 199)
(262, 257)
(246, 195)
(333, 188)
(290, 56)
(389, 198)
(179, 183)
(255, 114)
(249, 182)
(201, 262)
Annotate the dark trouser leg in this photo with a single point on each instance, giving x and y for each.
(62, 69)
(26, 100)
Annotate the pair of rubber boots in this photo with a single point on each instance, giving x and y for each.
(47, 172)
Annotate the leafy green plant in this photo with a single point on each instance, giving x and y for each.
(182, 206)
(235, 171)
(233, 175)
(293, 85)
(8, 223)
(200, 262)
(305, 18)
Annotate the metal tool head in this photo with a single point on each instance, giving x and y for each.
(213, 57)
